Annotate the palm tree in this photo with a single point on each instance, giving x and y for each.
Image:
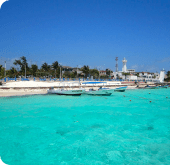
(2, 70)
(94, 73)
(45, 67)
(13, 72)
(85, 70)
(22, 63)
(34, 69)
(55, 65)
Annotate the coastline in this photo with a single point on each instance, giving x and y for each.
(21, 92)
(25, 88)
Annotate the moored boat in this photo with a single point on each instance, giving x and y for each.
(77, 92)
(165, 86)
(151, 87)
(99, 92)
(120, 89)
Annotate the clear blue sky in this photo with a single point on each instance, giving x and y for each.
(87, 32)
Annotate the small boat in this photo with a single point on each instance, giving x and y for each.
(151, 87)
(100, 92)
(165, 86)
(77, 92)
(120, 89)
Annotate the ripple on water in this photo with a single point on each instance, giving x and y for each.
(86, 129)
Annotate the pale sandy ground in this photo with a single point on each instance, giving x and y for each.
(52, 83)
(35, 85)
(21, 92)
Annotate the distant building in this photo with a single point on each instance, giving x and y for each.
(120, 74)
(71, 69)
(102, 73)
(124, 69)
(162, 76)
(144, 76)
(77, 70)
(131, 70)
(67, 68)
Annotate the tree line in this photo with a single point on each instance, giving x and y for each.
(46, 70)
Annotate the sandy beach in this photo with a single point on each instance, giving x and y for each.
(20, 88)
(21, 92)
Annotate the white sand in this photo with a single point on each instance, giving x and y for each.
(35, 87)
(21, 92)
(52, 84)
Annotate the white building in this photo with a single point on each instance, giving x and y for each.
(120, 74)
(102, 72)
(162, 76)
(124, 69)
(141, 76)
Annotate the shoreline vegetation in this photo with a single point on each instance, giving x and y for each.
(21, 69)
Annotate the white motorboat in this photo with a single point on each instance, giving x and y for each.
(75, 92)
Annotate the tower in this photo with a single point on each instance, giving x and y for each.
(162, 76)
(116, 64)
(124, 69)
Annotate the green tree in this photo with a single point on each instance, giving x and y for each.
(56, 69)
(34, 69)
(12, 72)
(137, 74)
(66, 74)
(85, 70)
(2, 70)
(22, 62)
(73, 74)
(108, 72)
(55, 65)
(94, 73)
(168, 76)
(103, 76)
(45, 67)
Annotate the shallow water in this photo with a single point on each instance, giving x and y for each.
(125, 128)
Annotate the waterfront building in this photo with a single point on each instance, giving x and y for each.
(130, 74)
(102, 72)
(124, 69)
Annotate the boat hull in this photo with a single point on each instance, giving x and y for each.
(166, 86)
(121, 89)
(66, 92)
(99, 93)
(75, 94)
(106, 94)
(151, 87)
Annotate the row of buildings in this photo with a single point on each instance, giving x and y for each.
(126, 74)
(131, 74)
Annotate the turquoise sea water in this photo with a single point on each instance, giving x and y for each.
(92, 130)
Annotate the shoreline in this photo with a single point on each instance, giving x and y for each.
(22, 92)
(27, 88)
(29, 92)
(11, 92)
(24, 95)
